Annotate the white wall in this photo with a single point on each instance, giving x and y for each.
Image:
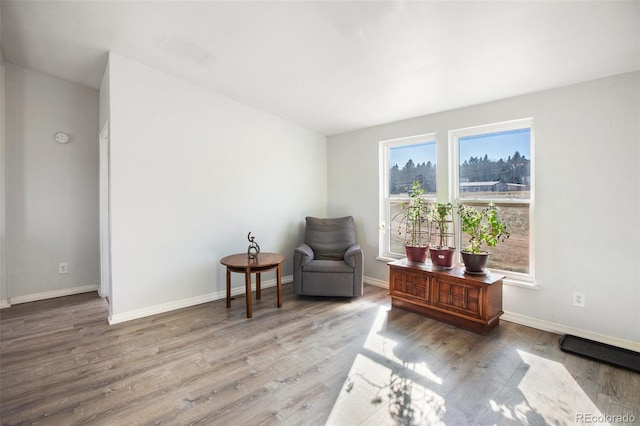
(587, 213)
(52, 189)
(192, 173)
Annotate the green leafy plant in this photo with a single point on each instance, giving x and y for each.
(414, 215)
(440, 215)
(483, 226)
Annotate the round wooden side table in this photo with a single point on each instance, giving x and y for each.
(241, 263)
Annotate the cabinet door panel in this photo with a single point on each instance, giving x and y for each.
(411, 284)
(459, 297)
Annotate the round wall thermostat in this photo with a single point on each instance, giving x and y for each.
(62, 137)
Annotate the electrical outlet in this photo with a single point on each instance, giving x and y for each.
(578, 299)
(63, 268)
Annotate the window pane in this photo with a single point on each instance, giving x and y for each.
(513, 253)
(408, 163)
(396, 229)
(495, 165)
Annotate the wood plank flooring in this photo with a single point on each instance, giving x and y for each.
(315, 361)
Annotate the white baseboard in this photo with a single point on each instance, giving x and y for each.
(4, 303)
(165, 307)
(556, 328)
(376, 282)
(51, 294)
(185, 303)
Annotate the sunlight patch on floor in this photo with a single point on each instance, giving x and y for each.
(564, 400)
(383, 389)
(376, 342)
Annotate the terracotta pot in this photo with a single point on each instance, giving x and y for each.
(474, 263)
(416, 254)
(442, 256)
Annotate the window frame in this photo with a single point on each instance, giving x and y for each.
(385, 199)
(527, 279)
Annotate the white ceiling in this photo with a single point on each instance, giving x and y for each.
(335, 66)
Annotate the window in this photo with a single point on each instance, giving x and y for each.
(402, 162)
(493, 164)
(487, 164)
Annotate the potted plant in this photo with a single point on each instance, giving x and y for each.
(441, 253)
(483, 226)
(414, 216)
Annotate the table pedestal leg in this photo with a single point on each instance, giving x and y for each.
(247, 280)
(258, 294)
(228, 288)
(279, 285)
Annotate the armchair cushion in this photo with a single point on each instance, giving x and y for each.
(329, 238)
(328, 266)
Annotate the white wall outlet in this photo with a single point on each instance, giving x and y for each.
(63, 268)
(578, 299)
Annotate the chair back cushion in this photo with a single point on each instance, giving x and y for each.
(330, 238)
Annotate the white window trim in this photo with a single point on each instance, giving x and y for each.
(520, 279)
(383, 185)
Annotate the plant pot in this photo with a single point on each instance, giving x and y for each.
(442, 256)
(475, 263)
(416, 254)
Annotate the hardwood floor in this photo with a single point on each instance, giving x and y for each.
(313, 362)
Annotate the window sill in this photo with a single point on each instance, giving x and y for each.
(514, 282)
(387, 259)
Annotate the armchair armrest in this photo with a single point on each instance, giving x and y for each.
(353, 256)
(303, 254)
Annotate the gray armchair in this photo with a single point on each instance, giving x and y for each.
(329, 262)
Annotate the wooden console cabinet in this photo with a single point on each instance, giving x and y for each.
(473, 302)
